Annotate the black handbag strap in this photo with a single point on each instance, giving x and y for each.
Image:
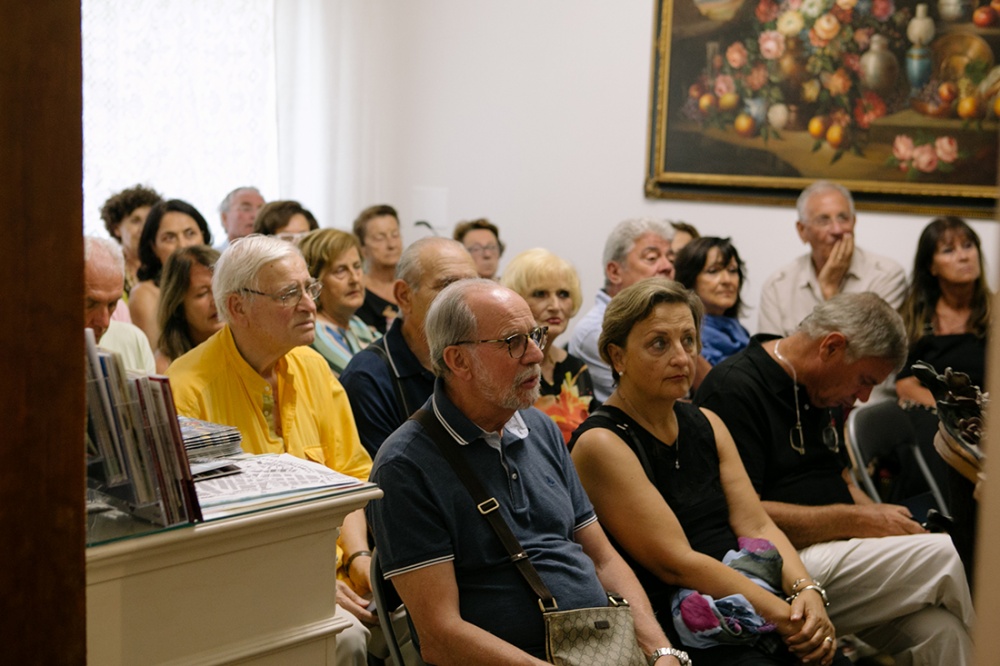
(383, 353)
(488, 506)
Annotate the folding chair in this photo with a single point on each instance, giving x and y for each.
(880, 432)
(388, 603)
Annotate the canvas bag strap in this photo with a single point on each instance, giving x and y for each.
(487, 505)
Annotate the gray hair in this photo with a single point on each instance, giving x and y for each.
(872, 327)
(228, 201)
(410, 268)
(240, 264)
(450, 319)
(105, 248)
(622, 238)
(819, 187)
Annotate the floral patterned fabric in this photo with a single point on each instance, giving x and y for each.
(569, 399)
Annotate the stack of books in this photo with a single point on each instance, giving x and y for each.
(205, 440)
(135, 451)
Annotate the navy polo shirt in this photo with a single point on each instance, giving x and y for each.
(427, 517)
(368, 382)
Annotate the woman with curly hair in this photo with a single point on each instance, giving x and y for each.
(124, 215)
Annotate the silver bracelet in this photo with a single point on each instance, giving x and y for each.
(680, 655)
(814, 586)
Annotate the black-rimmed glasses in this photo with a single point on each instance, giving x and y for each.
(517, 344)
(292, 296)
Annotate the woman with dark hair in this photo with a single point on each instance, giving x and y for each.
(170, 225)
(712, 268)
(187, 315)
(287, 220)
(377, 229)
(669, 487)
(334, 260)
(482, 239)
(947, 315)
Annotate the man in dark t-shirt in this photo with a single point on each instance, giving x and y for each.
(783, 400)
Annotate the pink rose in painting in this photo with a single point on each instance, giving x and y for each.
(902, 148)
(772, 44)
(863, 37)
(757, 77)
(883, 9)
(924, 158)
(724, 84)
(838, 83)
(946, 149)
(736, 55)
(767, 11)
(852, 61)
(826, 27)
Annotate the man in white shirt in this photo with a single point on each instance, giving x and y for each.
(834, 265)
(238, 211)
(103, 285)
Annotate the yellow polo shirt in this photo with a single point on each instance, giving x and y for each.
(214, 383)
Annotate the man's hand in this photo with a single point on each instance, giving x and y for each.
(354, 603)
(831, 276)
(879, 520)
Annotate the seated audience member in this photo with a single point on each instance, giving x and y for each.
(238, 211)
(635, 250)
(170, 225)
(897, 587)
(947, 317)
(103, 285)
(334, 260)
(482, 239)
(287, 220)
(712, 268)
(833, 266)
(392, 377)
(377, 229)
(259, 375)
(187, 314)
(551, 288)
(467, 599)
(124, 215)
(684, 233)
(668, 486)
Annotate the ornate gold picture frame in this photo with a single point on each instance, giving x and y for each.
(752, 100)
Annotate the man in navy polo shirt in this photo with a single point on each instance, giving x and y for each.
(467, 601)
(392, 377)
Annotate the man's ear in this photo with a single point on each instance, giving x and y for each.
(613, 272)
(236, 307)
(458, 361)
(801, 228)
(832, 346)
(404, 297)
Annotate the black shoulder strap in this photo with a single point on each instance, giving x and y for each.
(640, 450)
(487, 505)
(380, 351)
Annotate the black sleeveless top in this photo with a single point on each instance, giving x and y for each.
(687, 476)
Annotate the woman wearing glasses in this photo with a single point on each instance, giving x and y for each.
(187, 314)
(482, 239)
(287, 220)
(552, 289)
(668, 485)
(334, 260)
(377, 229)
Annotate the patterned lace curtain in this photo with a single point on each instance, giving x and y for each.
(178, 95)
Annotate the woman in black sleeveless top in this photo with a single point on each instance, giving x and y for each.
(669, 488)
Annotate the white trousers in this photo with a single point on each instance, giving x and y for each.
(905, 595)
(352, 642)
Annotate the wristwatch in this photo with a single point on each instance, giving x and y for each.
(681, 655)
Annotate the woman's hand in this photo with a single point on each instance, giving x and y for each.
(816, 640)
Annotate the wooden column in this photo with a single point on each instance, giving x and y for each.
(41, 339)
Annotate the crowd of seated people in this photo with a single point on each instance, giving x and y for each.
(712, 460)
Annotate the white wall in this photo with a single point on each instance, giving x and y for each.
(534, 114)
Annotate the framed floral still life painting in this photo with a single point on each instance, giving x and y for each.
(896, 99)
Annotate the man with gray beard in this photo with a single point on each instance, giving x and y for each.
(466, 598)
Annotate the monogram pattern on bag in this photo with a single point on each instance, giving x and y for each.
(590, 636)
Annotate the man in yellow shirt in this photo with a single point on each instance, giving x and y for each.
(259, 375)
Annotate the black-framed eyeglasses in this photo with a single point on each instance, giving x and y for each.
(292, 296)
(517, 344)
(830, 435)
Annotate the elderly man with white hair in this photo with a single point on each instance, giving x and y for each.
(259, 375)
(103, 286)
(635, 250)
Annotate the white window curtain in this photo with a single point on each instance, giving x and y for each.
(195, 98)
